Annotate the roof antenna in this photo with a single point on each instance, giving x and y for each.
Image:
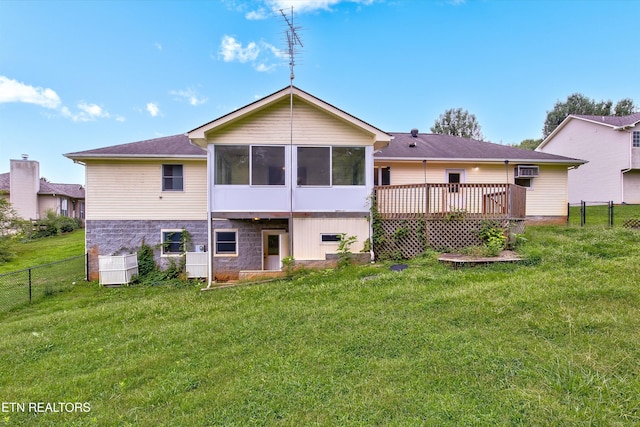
(292, 41)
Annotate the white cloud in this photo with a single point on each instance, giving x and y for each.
(300, 6)
(14, 91)
(262, 56)
(157, 46)
(190, 95)
(87, 113)
(153, 109)
(232, 50)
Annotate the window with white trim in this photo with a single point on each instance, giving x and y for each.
(172, 178)
(225, 242)
(636, 139)
(172, 242)
(331, 237)
(525, 182)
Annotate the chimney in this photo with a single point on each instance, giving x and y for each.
(25, 156)
(414, 132)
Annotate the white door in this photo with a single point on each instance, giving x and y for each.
(275, 247)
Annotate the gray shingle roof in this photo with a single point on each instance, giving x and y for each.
(614, 121)
(168, 146)
(74, 191)
(447, 147)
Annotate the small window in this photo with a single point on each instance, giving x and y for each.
(331, 237)
(172, 178)
(525, 182)
(172, 243)
(636, 139)
(454, 180)
(226, 242)
(64, 207)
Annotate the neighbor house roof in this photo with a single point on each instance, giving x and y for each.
(435, 147)
(614, 122)
(74, 191)
(177, 146)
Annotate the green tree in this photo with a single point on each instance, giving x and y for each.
(458, 122)
(11, 226)
(577, 103)
(529, 144)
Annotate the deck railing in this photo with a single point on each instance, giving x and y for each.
(490, 201)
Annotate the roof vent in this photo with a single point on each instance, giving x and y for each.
(25, 156)
(414, 132)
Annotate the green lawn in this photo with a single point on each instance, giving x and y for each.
(553, 341)
(44, 251)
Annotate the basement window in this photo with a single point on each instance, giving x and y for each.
(172, 243)
(225, 242)
(331, 237)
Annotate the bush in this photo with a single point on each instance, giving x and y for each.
(54, 225)
(492, 235)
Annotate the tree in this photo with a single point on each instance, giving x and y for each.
(580, 104)
(529, 144)
(11, 225)
(457, 122)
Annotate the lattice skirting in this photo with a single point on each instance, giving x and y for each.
(408, 238)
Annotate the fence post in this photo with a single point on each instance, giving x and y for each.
(568, 213)
(611, 213)
(86, 266)
(29, 286)
(583, 213)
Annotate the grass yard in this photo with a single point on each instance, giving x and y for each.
(554, 341)
(44, 251)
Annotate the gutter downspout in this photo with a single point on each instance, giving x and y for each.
(209, 225)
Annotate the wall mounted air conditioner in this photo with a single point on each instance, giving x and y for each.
(527, 171)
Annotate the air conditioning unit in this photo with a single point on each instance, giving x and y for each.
(527, 171)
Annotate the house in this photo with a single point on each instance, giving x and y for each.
(288, 174)
(32, 197)
(284, 176)
(468, 166)
(611, 145)
(144, 192)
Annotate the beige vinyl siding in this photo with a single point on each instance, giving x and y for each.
(133, 190)
(311, 126)
(549, 195)
(307, 244)
(52, 203)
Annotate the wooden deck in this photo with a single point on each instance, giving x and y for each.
(478, 201)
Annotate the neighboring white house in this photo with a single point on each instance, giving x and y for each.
(611, 145)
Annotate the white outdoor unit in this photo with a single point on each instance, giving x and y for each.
(117, 269)
(197, 264)
(523, 171)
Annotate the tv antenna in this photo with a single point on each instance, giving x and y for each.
(293, 40)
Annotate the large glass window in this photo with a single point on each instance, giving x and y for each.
(172, 178)
(267, 165)
(314, 166)
(232, 164)
(347, 165)
(325, 166)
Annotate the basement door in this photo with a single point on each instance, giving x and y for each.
(275, 247)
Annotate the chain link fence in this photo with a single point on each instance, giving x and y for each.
(603, 213)
(25, 286)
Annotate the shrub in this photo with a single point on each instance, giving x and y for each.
(492, 235)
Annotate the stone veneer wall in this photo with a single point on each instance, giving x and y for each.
(249, 246)
(117, 237)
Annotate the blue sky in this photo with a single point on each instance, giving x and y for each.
(77, 75)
